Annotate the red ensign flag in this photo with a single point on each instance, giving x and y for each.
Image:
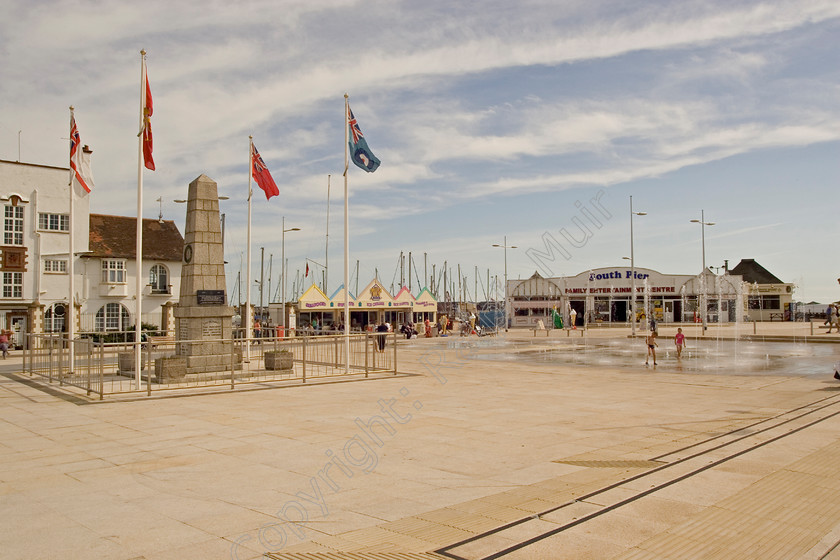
(261, 174)
(148, 109)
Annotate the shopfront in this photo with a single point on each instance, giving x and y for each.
(425, 307)
(371, 305)
(314, 310)
(337, 308)
(605, 296)
(402, 310)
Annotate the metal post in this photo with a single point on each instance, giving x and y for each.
(148, 369)
(88, 374)
(232, 369)
(506, 287)
(633, 271)
(367, 339)
(505, 246)
(262, 280)
(304, 358)
(632, 275)
(703, 223)
(395, 353)
(703, 243)
(283, 276)
(101, 370)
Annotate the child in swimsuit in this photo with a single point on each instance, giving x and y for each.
(679, 340)
(651, 347)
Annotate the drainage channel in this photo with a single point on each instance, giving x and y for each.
(667, 470)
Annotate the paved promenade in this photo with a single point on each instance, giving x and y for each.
(457, 458)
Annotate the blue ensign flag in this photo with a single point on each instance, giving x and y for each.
(359, 151)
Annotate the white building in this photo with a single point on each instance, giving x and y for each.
(603, 295)
(35, 258)
(108, 283)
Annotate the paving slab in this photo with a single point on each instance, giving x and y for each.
(542, 460)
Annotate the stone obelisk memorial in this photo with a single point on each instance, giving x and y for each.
(204, 339)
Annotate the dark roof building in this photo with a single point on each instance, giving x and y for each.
(116, 237)
(754, 273)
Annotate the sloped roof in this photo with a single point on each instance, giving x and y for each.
(754, 273)
(116, 237)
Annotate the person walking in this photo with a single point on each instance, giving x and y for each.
(650, 341)
(381, 333)
(679, 340)
(832, 318)
(4, 342)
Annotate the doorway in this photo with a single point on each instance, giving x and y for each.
(580, 308)
(618, 311)
(17, 324)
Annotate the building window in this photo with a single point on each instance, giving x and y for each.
(113, 317)
(113, 271)
(13, 225)
(55, 266)
(13, 284)
(53, 222)
(770, 302)
(764, 302)
(159, 279)
(54, 318)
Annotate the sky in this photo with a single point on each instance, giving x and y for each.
(495, 122)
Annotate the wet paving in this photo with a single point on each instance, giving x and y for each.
(723, 356)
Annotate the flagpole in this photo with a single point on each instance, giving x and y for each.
(138, 351)
(248, 267)
(71, 314)
(327, 248)
(346, 239)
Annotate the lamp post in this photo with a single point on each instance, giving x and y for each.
(505, 246)
(633, 272)
(283, 273)
(703, 225)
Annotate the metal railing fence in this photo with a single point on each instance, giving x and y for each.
(101, 366)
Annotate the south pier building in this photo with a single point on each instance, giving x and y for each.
(748, 292)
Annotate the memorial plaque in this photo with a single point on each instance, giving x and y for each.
(211, 328)
(210, 297)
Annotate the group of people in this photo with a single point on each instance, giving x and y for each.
(650, 342)
(445, 326)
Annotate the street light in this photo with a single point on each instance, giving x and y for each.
(505, 246)
(703, 225)
(283, 273)
(633, 272)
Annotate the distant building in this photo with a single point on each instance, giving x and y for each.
(35, 258)
(110, 266)
(746, 293)
(769, 298)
